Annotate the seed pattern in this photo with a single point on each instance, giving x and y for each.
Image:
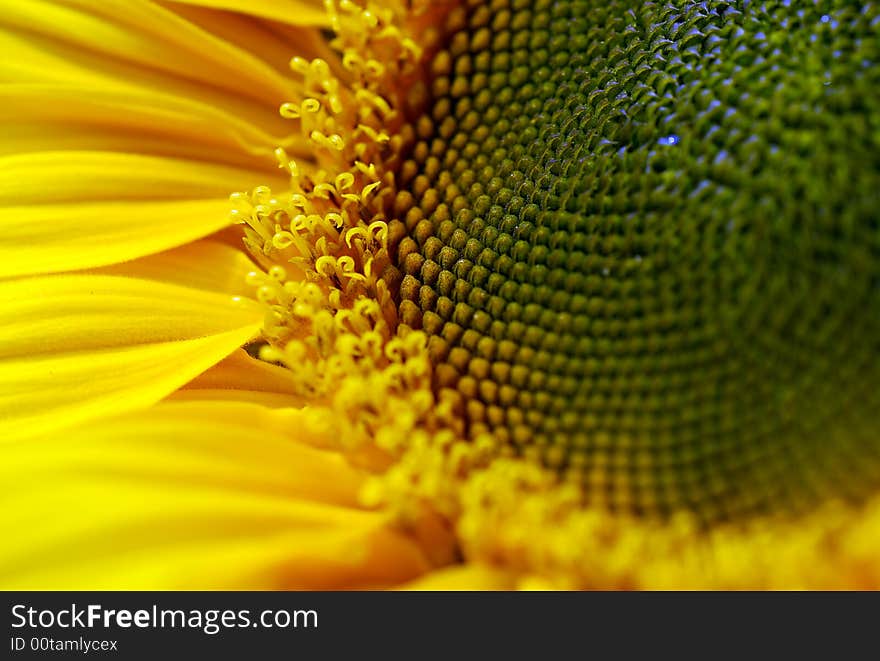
(644, 241)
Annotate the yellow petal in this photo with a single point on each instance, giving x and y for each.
(63, 237)
(45, 394)
(50, 177)
(191, 496)
(241, 372)
(268, 39)
(466, 577)
(76, 313)
(207, 264)
(268, 399)
(294, 12)
(75, 347)
(142, 34)
(34, 59)
(64, 115)
(239, 377)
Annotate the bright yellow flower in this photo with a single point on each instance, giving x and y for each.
(487, 306)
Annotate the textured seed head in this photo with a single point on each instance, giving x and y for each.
(645, 241)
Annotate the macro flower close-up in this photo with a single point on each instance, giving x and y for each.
(431, 295)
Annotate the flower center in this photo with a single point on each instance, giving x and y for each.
(643, 241)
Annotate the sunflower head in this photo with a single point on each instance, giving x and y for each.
(632, 250)
(567, 293)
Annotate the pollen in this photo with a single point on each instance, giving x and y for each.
(642, 242)
(326, 272)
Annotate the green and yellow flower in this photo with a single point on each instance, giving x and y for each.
(509, 294)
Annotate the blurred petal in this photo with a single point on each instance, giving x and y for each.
(191, 496)
(76, 313)
(270, 399)
(295, 12)
(44, 61)
(241, 372)
(64, 115)
(50, 177)
(207, 264)
(74, 347)
(142, 34)
(240, 377)
(466, 577)
(269, 39)
(48, 238)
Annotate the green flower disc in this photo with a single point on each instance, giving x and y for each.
(644, 240)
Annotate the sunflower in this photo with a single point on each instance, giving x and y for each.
(453, 294)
